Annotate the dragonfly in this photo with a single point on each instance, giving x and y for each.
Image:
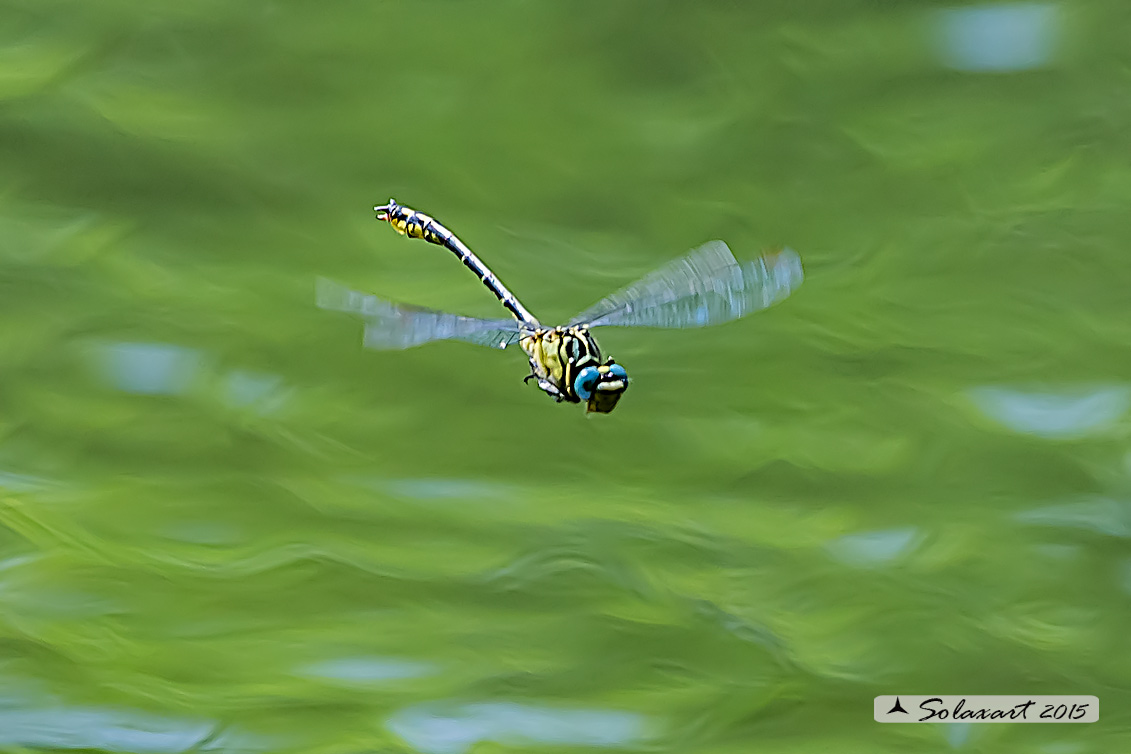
(707, 286)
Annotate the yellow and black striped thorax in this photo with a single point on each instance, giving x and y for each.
(559, 354)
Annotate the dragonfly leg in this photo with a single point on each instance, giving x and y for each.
(550, 390)
(545, 386)
(537, 372)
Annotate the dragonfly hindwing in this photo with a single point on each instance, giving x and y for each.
(397, 326)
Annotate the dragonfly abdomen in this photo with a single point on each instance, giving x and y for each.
(409, 222)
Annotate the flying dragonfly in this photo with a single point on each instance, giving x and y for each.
(707, 286)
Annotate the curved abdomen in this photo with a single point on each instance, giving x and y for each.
(409, 222)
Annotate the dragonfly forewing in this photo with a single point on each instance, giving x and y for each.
(390, 326)
(708, 286)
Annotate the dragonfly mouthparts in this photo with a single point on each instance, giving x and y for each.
(385, 211)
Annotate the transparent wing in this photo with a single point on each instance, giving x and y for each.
(397, 326)
(706, 287)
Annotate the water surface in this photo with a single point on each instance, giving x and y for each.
(226, 527)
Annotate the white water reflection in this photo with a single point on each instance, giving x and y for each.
(1102, 515)
(368, 669)
(150, 368)
(439, 729)
(43, 602)
(1054, 415)
(169, 369)
(1000, 37)
(957, 734)
(13, 482)
(99, 728)
(436, 489)
(110, 730)
(261, 392)
(871, 549)
(32, 717)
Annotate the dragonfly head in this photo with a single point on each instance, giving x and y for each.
(601, 387)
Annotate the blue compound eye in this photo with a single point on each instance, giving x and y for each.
(618, 371)
(585, 382)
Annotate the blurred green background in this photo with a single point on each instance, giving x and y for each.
(224, 526)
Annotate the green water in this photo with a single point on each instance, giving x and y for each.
(226, 527)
